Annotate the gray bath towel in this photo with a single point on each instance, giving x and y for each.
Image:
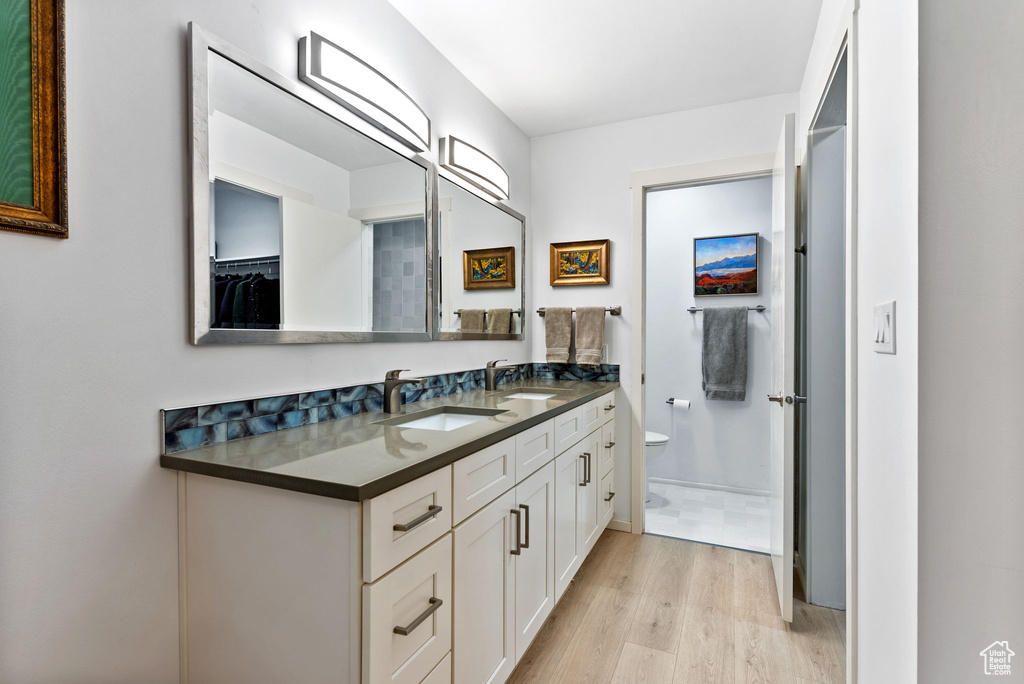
(472, 320)
(725, 353)
(499, 320)
(558, 333)
(589, 335)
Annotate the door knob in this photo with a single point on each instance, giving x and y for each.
(775, 398)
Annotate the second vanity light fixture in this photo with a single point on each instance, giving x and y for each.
(363, 90)
(474, 166)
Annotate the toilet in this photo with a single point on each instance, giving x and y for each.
(654, 447)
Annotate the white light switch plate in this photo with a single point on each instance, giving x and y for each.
(884, 329)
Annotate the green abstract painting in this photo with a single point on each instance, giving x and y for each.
(16, 102)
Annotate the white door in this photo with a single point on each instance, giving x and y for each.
(783, 363)
(535, 565)
(568, 544)
(484, 605)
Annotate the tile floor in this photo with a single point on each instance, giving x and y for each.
(739, 521)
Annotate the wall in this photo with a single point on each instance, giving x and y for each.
(885, 121)
(581, 192)
(94, 338)
(722, 443)
(971, 511)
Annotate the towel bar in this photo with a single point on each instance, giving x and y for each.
(760, 308)
(515, 312)
(613, 310)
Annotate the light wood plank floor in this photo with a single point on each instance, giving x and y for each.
(658, 610)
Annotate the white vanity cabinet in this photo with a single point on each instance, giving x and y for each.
(445, 579)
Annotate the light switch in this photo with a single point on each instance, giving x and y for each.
(885, 328)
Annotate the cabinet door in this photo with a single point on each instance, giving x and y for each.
(568, 543)
(534, 448)
(484, 615)
(607, 459)
(590, 449)
(606, 499)
(535, 566)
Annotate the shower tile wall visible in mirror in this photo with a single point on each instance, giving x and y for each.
(399, 286)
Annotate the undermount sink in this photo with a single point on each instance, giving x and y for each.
(442, 419)
(536, 396)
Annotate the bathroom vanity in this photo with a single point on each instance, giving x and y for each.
(425, 546)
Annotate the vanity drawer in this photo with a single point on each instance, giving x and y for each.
(480, 478)
(422, 512)
(568, 429)
(534, 448)
(606, 459)
(608, 406)
(592, 415)
(407, 618)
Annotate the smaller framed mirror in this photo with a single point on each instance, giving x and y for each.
(480, 282)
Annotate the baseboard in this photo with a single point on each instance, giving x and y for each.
(620, 526)
(716, 487)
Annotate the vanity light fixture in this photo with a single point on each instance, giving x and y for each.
(363, 90)
(474, 166)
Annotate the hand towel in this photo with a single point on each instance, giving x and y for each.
(558, 333)
(498, 321)
(725, 353)
(589, 335)
(473, 320)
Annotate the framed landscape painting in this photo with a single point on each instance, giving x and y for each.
(580, 263)
(486, 269)
(725, 265)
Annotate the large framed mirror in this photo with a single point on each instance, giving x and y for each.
(306, 225)
(480, 289)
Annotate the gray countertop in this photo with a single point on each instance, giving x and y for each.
(356, 458)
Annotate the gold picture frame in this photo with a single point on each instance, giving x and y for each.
(44, 209)
(489, 269)
(580, 263)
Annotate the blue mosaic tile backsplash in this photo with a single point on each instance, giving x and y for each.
(196, 426)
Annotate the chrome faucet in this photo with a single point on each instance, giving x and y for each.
(492, 372)
(392, 389)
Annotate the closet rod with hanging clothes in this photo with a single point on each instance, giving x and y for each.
(760, 308)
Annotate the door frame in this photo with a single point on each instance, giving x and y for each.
(640, 183)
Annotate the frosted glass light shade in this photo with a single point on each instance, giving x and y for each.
(474, 166)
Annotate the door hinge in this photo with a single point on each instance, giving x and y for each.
(802, 249)
(643, 378)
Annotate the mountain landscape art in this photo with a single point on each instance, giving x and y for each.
(725, 265)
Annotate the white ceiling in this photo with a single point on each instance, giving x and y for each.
(557, 65)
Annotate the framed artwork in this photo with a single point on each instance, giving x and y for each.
(33, 139)
(487, 269)
(580, 263)
(725, 265)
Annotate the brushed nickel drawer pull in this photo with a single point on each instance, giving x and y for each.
(519, 532)
(609, 445)
(611, 495)
(435, 603)
(432, 511)
(609, 407)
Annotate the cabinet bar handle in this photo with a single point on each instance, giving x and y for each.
(519, 525)
(609, 407)
(416, 522)
(584, 483)
(587, 454)
(435, 603)
(611, 495)
(609, 445)
(526, 544)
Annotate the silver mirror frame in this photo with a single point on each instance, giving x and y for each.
(435, 286)
(201, 43)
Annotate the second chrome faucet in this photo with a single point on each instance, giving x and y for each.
(492, 372)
